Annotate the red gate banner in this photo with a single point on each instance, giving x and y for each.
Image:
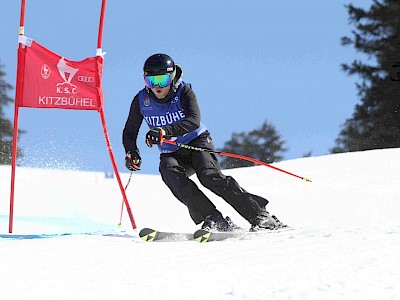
(48, 80)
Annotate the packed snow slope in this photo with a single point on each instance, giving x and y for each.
(346, 244)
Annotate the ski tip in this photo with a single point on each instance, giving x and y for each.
(148, 234)
(202, 236)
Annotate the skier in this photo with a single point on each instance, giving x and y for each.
(170, 109)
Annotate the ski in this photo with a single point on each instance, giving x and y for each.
(151, 235)
(203, 236)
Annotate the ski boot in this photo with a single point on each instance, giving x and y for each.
(216, 222)
(265, 221)
(232, 225)
(280, 224)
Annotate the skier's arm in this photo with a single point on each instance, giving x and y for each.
(132, 125)
(192, 112)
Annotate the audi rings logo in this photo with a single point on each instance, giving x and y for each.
(85, 78)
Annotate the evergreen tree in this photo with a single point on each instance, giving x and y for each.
(6, 127)
(375, 122)
(264, 144)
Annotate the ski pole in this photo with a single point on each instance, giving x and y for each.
(234, 156)
(122, 206)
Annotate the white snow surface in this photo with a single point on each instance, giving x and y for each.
(346, 244)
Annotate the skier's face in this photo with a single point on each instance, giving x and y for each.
(159, 84)
(160, 92)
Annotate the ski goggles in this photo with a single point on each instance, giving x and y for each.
(161, 80)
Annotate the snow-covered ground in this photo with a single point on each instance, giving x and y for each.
(346, 244)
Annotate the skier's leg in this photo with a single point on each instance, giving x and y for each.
(249, 206)
(227, 188)
(175, 176)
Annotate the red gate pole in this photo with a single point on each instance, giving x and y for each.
(103, 120)
(18, 94)
(101, 24)
(128, 207)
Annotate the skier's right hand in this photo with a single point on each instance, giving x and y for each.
(133, 160)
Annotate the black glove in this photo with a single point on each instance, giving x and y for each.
(133, 160)
(155, 136)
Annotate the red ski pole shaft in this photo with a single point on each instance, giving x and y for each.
(234, 156)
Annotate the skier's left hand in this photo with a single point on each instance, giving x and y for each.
(133, 160)
(155, 136)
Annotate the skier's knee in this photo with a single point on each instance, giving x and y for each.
(213, 181)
